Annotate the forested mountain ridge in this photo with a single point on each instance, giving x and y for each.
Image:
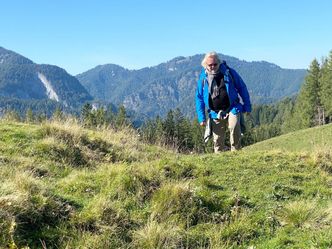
(155, 90)
(10, 57)
(148, 92)
(21, 79)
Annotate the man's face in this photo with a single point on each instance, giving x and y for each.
(212, 65)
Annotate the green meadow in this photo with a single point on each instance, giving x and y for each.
(64, 186)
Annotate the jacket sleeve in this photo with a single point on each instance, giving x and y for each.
(199, 99)
(242, 90)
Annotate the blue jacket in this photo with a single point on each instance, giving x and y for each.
(234, 88)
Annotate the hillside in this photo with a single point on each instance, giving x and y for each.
(64, 186)
(306, 140)
(155, 90)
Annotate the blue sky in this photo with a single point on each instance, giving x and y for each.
(78, 35)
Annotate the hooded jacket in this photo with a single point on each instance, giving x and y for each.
(234, 86)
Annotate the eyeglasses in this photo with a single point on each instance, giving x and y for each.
(212, 65)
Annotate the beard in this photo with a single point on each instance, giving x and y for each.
(213, 71)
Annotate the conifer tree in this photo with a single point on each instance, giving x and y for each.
(182, 132)
(286, 111)
(148, 132)
(326, 88)
(178, 128)
(197, 134)
(100, 116)
(160, 131)
(187, 138)
(308, 100)
(169, 128)
(41, 117)
(86, 114)
(29, 117)
(121, 119)
(58, 114)
(110, 116)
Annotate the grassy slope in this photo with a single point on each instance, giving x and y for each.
(307, 140)
(67, 187)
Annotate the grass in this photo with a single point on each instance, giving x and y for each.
(64, 186)
(307, 140)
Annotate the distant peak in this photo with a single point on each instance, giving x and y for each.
(10, 57)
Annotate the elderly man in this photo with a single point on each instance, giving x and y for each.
(218, 91)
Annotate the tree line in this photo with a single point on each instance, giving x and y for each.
(313, 105)
(89, 116)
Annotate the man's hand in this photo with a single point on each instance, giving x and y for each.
(202, 123)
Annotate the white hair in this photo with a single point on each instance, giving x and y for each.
(208, 55)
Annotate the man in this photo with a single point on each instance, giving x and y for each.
(218, 91)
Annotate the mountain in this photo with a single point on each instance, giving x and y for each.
(154, 90)
(22, 79)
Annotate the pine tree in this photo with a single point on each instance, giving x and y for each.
(58, 114)
(326, 88)
(29, 117)
(308, 100)
(179, 132)
(121, 119)
(284, 118)
(187, 138)
(197, 133)
(169, 128)
(182, 132)
(41, 117)
(100, 116)
(110, 116)
(148, 132)
(86, 114)
(160, 131)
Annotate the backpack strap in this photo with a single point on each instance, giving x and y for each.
(230, 74)
(228, 70)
